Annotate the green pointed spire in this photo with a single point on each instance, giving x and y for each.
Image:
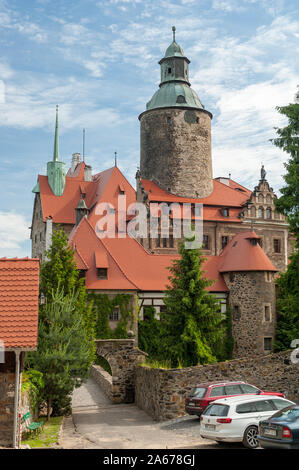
(56, 168)
(56, 140)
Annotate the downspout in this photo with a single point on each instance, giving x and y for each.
(16, 404)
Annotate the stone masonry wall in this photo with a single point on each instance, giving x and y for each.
(7, 393)
(176, 150)
(250, 292)
(103, 379)
(122, 356)
(161, 393)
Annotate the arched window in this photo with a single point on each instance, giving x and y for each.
(261, 198)
(253, 211)
(268, 213)
(181, 99)
(269, 199)
(261, 213)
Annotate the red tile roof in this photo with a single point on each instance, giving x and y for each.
(103, 187)
(130, 266)
(19, 288)
(222, 195)
(241, 255)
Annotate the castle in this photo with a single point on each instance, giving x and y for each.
(245, 241)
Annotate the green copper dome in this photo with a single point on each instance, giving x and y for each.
(174, 50)
(174, 94)
(174, 89)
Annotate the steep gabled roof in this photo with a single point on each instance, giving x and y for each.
(130, 266)
(243, 253)
(103, 187)
(19, 288)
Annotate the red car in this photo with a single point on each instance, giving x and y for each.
(203, 394)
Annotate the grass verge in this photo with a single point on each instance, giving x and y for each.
(47, 437)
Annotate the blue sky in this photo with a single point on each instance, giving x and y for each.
(98, 61)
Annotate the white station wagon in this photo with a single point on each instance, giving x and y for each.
(236, 419)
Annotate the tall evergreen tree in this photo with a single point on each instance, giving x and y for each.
(288, 140)
(288, 204)
(63, 353)
(288, 305)
(192, 322)
(60, 271)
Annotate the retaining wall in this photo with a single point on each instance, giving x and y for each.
(161, 392)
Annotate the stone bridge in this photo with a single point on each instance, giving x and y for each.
(122, 356)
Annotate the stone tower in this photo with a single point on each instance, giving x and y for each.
(175, 132)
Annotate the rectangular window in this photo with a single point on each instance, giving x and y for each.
(102, 273)
(277, 245)
(164, 242)
(267, 313)
(268, 275)
(236, 312)
(267, 344)
(224, 241)
(114, 315)
(206, 242)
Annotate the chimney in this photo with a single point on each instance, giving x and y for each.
(88, 173)
(76, 158)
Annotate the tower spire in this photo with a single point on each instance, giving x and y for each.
(115, 158)
(56, 139)
(173, 33)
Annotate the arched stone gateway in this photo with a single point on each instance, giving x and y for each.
(122, 356)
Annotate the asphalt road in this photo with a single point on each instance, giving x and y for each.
(99, 424)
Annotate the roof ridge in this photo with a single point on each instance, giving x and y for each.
(81, 257)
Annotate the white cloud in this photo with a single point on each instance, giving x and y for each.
(13, 231)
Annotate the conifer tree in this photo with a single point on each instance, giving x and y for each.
(191, 322)
(288, 204)
(60, 271)
(288, 140)
(63, 353)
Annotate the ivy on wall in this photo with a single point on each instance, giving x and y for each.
(103, 305)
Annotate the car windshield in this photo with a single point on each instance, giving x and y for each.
(198, 392)
(216, 410)
(288, 414)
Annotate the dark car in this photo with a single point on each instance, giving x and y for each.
(281, 431)
(203, 394)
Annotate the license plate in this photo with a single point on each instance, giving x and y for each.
(210, 426)
(269, 432)
(191, 404)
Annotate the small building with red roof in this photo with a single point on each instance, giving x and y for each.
(19, 291)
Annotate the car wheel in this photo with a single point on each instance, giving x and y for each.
(250, 439)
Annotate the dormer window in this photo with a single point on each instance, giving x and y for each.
(225, 212)
(102, 273)
(181, 99)
(101, 261)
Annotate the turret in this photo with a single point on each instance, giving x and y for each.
(175, 132)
